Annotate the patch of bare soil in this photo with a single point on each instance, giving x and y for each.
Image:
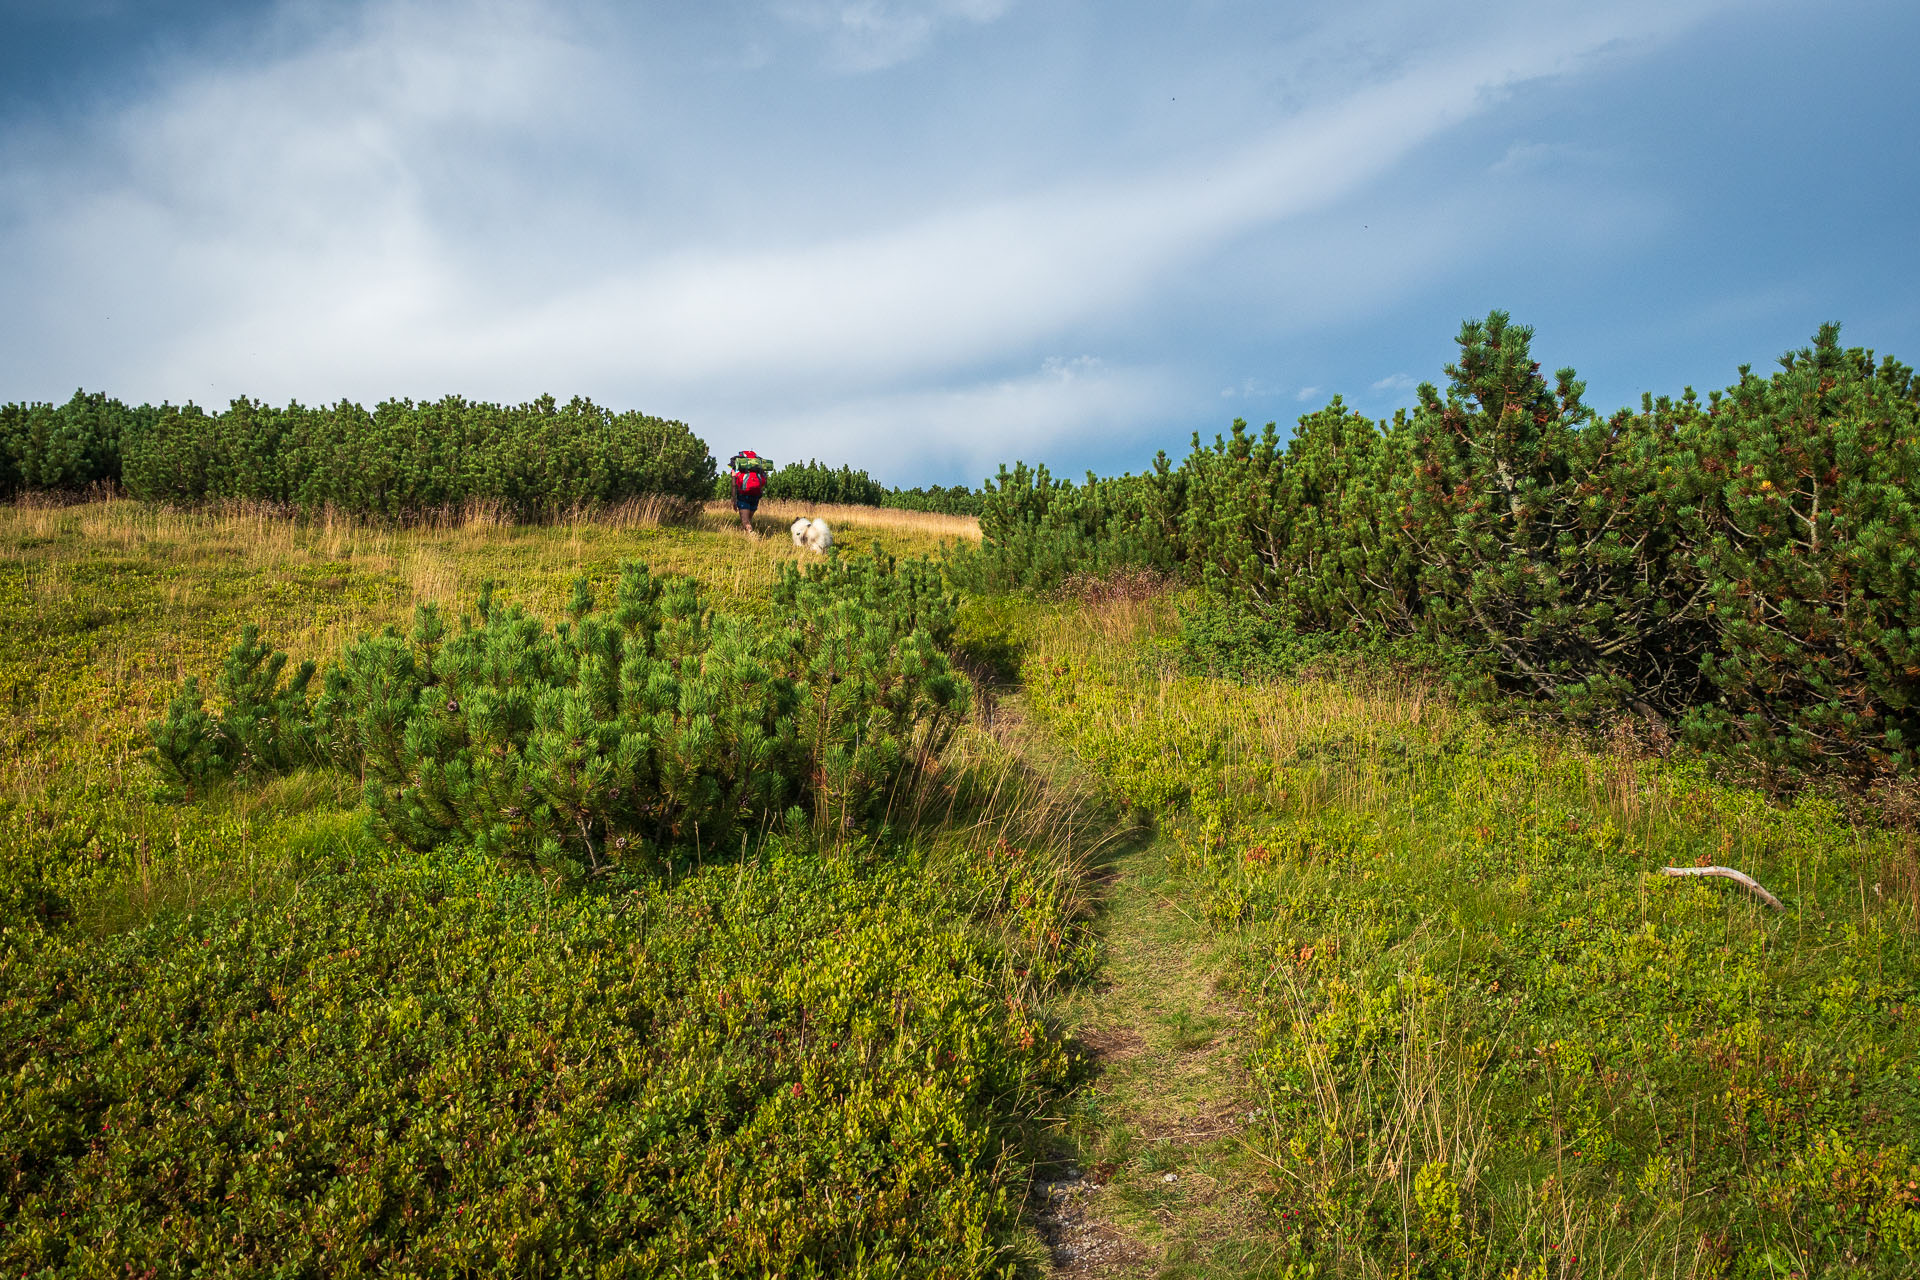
(1110, 1044)
(1080, 1240)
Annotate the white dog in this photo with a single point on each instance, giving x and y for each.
(814, 535)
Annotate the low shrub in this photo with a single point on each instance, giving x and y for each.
(432, 1064)
(264, 727)
(629, 739)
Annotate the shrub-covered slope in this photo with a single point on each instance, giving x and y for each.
(251, 1033)
(1493, 1040)
(1743, 568)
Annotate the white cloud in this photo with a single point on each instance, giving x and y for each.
(965, 429)
(1534, 157)
(1251, 389)
(973, 283)
(1305, 394)
(418, 202)
(1396, 382)
(873, 35)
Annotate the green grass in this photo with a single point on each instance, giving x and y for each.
(241, 1035)
(1487, 1039)
(1388, 989)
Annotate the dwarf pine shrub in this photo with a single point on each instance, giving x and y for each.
(628, 737)
(1806, 544)
(1037, 531)
(264, 727)
(1741, 568)
(865, 645)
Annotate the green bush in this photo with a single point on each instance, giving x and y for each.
(653, 733)
(1037, 531)
(603, 743)
(865, 644)
(1742, 569)
(1805, 534)
(1301, 537)
(265, 725)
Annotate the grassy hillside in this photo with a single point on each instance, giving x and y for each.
(243, 1035)
(1487, 1039)
(1154, 973)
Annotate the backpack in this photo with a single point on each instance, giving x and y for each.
(751, 467)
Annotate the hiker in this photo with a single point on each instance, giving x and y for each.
(749, 480)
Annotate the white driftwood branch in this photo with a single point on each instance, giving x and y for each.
(1730, 874)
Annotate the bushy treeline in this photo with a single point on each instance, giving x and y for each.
(1037, 531)
(618, 740)
(947, 500)
(70, 447)
(397, 460)
(1747, 567)
(815, 481)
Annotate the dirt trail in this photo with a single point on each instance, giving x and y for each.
(1154, 1178)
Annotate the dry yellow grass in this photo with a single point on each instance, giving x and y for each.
(924, 523)
(128, 599)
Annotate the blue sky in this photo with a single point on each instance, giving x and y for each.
(925, 236)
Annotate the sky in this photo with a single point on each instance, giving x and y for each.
(925, 237)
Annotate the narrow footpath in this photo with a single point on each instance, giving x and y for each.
(1153, 1177)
